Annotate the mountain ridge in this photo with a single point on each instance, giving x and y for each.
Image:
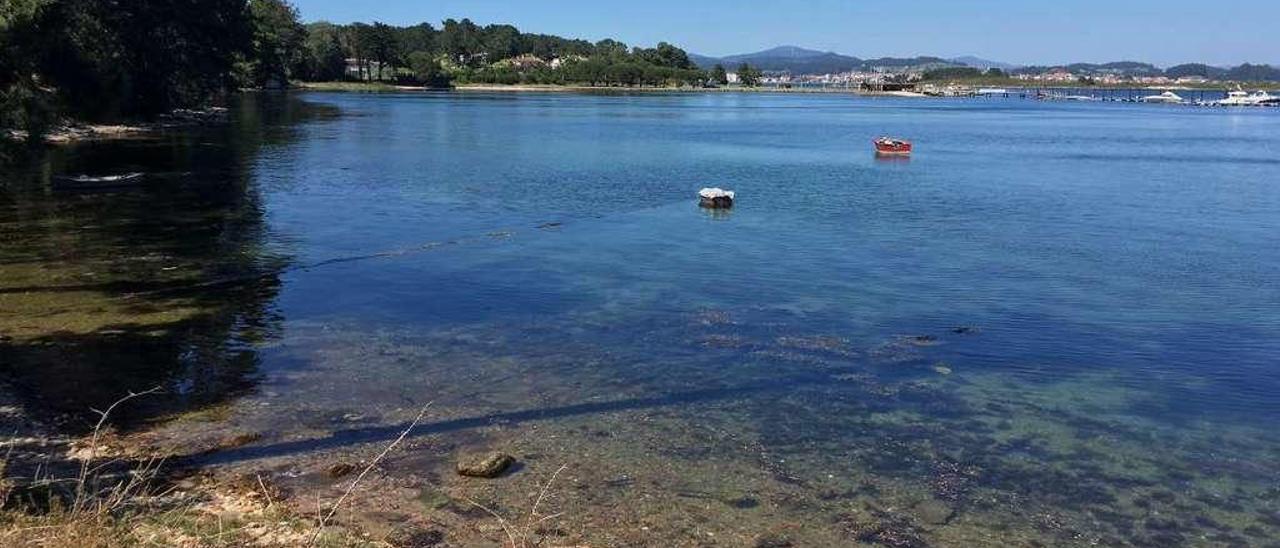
(984, 64)
(799, 60)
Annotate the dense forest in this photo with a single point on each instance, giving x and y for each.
(106, 60)
(465, 52)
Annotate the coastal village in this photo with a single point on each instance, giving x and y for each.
(1052, 77)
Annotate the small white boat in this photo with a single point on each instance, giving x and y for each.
(90, 182)
(1241, 98)
(1260, 98)
(1237, 98)
(716, 198)
(1167, 97)
(993, 91)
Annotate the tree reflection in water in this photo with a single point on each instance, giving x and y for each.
(168, 282)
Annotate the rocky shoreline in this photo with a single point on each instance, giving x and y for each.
(69, 132)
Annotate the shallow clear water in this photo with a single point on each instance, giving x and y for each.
(1059, 323)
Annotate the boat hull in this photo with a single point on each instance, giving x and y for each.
(893, 149)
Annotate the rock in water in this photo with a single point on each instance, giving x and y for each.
(716, 198)
(341, 470)
(934, 512)
(489, 466)
(773, 541)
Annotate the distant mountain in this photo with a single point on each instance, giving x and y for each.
(983, 64)
(1254, 73)
(908, 62)
(797, 60)
(1195, 69)
(1119, 68)
(703, 61)
(781, 52)
(1127, 68)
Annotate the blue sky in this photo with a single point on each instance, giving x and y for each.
(1164, 32)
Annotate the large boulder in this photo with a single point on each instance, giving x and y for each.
(486, 466)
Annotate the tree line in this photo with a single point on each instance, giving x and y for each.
(464, 52)
(105, 59)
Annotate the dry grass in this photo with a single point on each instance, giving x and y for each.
(519, 535)
(93, 509)
(110, 503)
(323, 521)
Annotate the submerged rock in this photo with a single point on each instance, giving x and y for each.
(238, 440)
(341, 470)
(934, 512)
(816, 343)
(416, 538)
(487, 466)
(773, 541)
(884, 529)
(920, 340)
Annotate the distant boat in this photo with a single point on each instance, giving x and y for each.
(90, 182)
(1237, 98)
(993, 91)
(893, 147)
(1240, 98)
(716, 198)
(1167, 97)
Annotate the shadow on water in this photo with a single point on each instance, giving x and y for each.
(105, 293)
(353, 437)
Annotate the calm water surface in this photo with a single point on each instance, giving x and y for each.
(1056, 325)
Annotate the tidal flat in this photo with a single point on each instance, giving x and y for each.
(1058, 343)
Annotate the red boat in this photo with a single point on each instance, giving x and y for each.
(889, 145)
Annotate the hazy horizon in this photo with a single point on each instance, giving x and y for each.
(1164, 33)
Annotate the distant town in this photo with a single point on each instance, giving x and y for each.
(790, 65)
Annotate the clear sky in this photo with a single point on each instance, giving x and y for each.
(1164, 32)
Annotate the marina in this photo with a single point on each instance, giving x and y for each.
(1186, 97)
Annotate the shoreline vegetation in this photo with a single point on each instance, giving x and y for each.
(386, 87)
(94, 63)
(70, 131)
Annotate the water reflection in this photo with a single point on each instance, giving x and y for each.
(168, 282)
(716, 214)
(892, 159)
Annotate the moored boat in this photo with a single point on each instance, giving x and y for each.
(1167, 97)
(892, 146)
(1241, 98)
(1237, 98)
(90, 182)
(1260, 98)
